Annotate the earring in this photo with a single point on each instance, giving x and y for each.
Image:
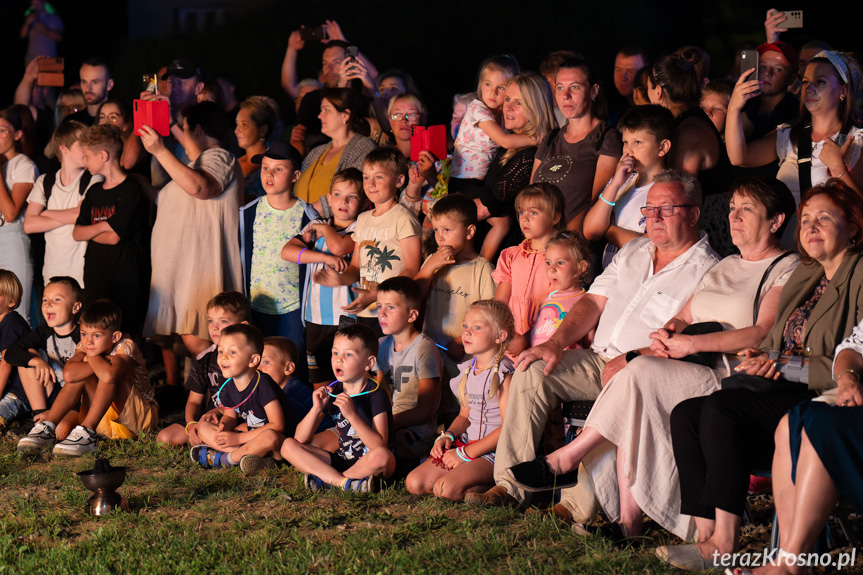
(772, 230)
(852, 242)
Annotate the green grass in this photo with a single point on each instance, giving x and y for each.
(184, 519)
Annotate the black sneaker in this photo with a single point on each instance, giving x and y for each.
(536, 475)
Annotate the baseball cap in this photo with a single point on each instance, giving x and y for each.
(279, 150)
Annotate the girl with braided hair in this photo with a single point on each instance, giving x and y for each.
(462, 458)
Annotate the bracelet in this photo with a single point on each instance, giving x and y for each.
(464, 456)
(843, 173)
(188, 424)
(298, 256)
(606, 201)
(444, 434)
(851, 371)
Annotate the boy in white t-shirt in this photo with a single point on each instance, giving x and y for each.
(53, 209)
(616, 217)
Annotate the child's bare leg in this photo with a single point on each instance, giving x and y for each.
(67, 424)
(268, 443)
(207, 434)
(422, 479)
(101, 397)
(377, 462)
(37, 394)
(310, 459)
(174, 434)
(499, 228)
(475, 475)
(327, 440)
(67, 400)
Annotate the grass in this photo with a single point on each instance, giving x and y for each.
(184, 519)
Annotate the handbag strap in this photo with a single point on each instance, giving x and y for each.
(804, 158)
(763, 281)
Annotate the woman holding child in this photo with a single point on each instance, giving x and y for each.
(195, 246)
(625, 444)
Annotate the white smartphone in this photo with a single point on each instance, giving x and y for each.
(794, 19)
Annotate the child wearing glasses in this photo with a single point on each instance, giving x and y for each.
(462, 458)
(361, 410)
(255, 413)
(616, 217)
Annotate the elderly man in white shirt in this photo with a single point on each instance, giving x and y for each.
(646, 284)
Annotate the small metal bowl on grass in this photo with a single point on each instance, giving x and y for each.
(103, 480)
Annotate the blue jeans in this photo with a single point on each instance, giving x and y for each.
(11, 407)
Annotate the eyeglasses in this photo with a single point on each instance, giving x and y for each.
(113, 118)
(70, 109)
(6, 131)
(410, 117)
(666, 211)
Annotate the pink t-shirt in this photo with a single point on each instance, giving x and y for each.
(551, 313)
(525, 270)
(473, 150)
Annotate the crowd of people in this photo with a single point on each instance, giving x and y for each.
(367, 301)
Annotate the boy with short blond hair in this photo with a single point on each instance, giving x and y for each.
(361, 410)
(41, 355)
(411, 363)
(13, 398)
(327, 243)
(114, 221)
(223, 310)
(454, 276)
(250, 396)
(109, 377)
(388, 237)
(52, 206)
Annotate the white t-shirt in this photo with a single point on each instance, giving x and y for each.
(18, 170)
(63, 255)
(626, 214)
(819, 174)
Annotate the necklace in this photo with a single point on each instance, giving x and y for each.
(475, 370)
(551, 295)
(331, 394)
(528, 250)
(217, 400)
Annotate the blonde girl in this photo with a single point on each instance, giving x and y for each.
(481, 134)
(567, 266)
(522, 283)
(462, 458)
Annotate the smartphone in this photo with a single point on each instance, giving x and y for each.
(150, 83)
(315, 34)
(840, 139)
(351, 53)
(794, 19)
(51, 64)
(749, 59)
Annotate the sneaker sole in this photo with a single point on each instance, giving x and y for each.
(534, 489)
(253, 464)
(32, 447)
(72, 451)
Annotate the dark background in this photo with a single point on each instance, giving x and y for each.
(440, 43)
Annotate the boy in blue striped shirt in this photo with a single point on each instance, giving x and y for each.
(328, 242)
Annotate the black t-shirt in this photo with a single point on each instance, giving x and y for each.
(205, 377)
(125, 210)
(249, 405)
(13, 327)
(368, 406)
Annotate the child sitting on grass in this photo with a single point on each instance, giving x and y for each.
(324, 243)
(462, 458)
(108, 376)
(41, 355)
(248, 395)
(279, 361)
(225, 309)
(12, 328)
(361, 410)
(412, 365)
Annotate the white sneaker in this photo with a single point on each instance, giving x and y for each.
(82, 440)
(40, 437)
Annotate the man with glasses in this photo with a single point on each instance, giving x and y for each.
(646, 284)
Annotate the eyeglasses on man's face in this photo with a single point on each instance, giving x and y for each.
(666, 211)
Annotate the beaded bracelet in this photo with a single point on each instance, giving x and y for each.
(298, 256)
(851, 371)
(464, 456)
(188, 424)
(444, 434)
(606, 201)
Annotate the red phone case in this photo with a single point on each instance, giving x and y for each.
(432, 139)
(153, 113)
